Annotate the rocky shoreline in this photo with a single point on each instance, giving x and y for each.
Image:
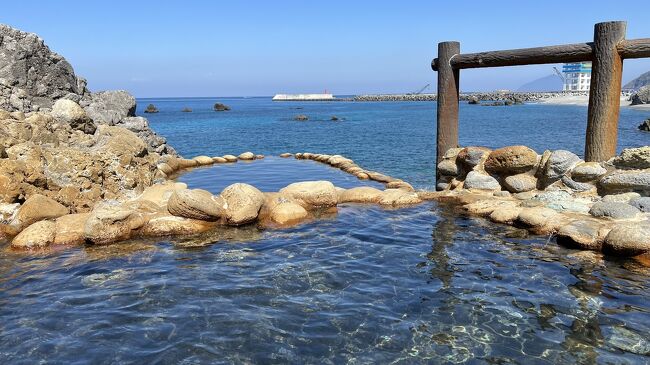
(78, 167)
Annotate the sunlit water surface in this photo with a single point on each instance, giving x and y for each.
(367, 285)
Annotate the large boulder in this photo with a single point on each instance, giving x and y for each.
(109, 107)
(642, 96)
(520, 183)
(559, 163)
(195, 204)
(312, 194)
(626, 181)
(613, 210)
(477, 180)
(510, 160)
(588, 171)
(71, 113)
(36, 208)
(583, 234)
(110, 223)
(70, 229)
(628, 239)
(39, 234)
(287, 212)
(633, 158)
(242, 203)
(31, 75)
(361, 194)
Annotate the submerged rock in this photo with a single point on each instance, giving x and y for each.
(288, 212)
(301, 118)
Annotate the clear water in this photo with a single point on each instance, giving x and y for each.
(367, 285)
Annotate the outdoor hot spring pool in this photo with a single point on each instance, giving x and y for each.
(367, 285)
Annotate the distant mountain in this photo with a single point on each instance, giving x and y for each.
(546, 83)
(639, 82)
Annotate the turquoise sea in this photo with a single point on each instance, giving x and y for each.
(420, 285)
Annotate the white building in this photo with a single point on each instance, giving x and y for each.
(577, 76)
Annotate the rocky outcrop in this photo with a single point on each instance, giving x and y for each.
(642, 96)
(219, 107)
(32, 77)
(645, 126)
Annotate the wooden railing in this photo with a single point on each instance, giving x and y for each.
(606, 52)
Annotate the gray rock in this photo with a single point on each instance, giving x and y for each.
(613, 210)
(70, 112)
(520, 183)
(583, 234)
(559, 163)
(477, 180)
(641, 203)
(633, 158)
(563, 201)
(642, 96)
(442, 186)
(587, 171)
(109, 107)
(31, 75)
(621, 198)
(628, 239)
(577, 186)
(472, 156)
(448, 167)
(626, 181)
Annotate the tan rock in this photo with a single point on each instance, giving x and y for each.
(230, 158)
(242, 203)
(164, 167)
(185, 163)
(108, 223)
(247, 156)
(362, 176)
(506, 215)
(39, 234)
(379, 177)
(287, 155)
(259, 157)
(399, 184)
(288, 212)
(399, 197)
(195, 204)
(160, 193)
(70, 229)
(628, 239)
(362, 194)
(535, 217)
(485, 207)
(312, 194)
(37, 207)
(203, 160)
(169, 225)
(218, 159)
(584, 234)
(510, 160)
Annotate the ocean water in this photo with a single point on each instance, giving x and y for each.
(397, 138)
(366, 285)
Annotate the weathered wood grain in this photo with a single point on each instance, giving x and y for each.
(635, 48)
(605, 92)
(447, 114)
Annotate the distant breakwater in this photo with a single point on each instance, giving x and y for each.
(480, 96)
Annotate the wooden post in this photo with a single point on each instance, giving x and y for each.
(447, 114)
(605, 92)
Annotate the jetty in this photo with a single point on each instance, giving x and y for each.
(304, 97)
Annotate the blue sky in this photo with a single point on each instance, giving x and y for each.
(247, 48)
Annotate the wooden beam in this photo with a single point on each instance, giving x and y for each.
(635, 48)
(579, 52)
(605, 92)
(447, 114)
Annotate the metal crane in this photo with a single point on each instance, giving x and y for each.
(421, 90)
(559, 74)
